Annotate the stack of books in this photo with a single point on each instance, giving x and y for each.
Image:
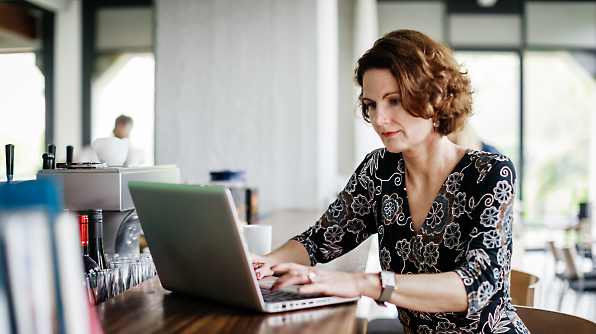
(41, 272)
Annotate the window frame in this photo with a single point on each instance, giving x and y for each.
(89, 34)
(46, 52)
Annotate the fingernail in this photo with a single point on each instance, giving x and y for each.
(259, 275)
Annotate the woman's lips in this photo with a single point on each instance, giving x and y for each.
(389, 134)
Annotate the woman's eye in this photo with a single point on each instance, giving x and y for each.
(395, 101)
(371, 105)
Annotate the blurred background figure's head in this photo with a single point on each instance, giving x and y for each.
(122, 126)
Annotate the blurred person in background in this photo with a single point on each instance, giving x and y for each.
(443, 213)
(122, 127)
(466, 138)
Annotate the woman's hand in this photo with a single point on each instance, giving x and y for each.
(262, 265)
(291, 251)
(327, 282)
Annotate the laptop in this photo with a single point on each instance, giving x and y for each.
(198, 249)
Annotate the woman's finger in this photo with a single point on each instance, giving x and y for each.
(263, 271)
(259, 274)
(282, 268)
(291, 278)
(288, 280)
(257, 265)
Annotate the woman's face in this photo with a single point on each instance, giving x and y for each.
(398, 129)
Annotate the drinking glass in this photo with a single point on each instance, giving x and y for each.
(111, 257)
(108, 275)
(147, 267)
(135, 273)
(125, 273)
(119, 285)
(90, 291)
(113, 278)
(97, 284)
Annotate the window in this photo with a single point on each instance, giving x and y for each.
(119, 70)
(495, 81)
(559, 100)
(125, 85)
(22, 113)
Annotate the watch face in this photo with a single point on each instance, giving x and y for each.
(388, 285)
(387, 279)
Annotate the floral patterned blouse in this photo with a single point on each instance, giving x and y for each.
(468, 230)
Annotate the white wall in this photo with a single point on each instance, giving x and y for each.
(346, 86)
(124, 28)
(358, 30)
(423, 16)
(485, 30)
(366, 32)
(327, 90)
(237, 88)
(562, 23)
(67, 62)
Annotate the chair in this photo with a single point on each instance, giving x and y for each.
(557, 256)
(573, 270)
(525, 288)
(561, 267)
(577, 279)
(540, 321)
(384, 326)
(585, 238)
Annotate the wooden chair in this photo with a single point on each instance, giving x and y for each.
(541, 321)
(525, 288)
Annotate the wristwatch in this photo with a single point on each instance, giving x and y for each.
(388, 284)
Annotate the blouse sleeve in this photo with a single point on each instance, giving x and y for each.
(488, 256)
(348, 221)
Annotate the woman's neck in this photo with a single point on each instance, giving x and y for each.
(435, 160)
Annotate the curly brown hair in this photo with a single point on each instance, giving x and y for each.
(432, 83)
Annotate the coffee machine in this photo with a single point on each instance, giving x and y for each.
(107, 189)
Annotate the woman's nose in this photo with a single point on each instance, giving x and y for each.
(381, 116)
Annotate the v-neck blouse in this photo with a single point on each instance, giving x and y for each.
(432, 211)
(468, 230)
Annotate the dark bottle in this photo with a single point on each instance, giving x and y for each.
(69, 151)
(84, 228)
(96, 238)
(48, 161)
(52, 151)
(9, 162)
(88, 262)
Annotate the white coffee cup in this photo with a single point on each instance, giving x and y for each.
(258, 238)
(111, 150)
(135, 157)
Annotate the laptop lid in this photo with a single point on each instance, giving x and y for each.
(195, 242)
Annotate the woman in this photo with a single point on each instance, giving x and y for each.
(443, 213)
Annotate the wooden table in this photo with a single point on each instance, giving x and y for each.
(149, 308)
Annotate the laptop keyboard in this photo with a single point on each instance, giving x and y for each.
(280, 296)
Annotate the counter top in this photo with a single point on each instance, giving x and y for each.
(149, 308)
